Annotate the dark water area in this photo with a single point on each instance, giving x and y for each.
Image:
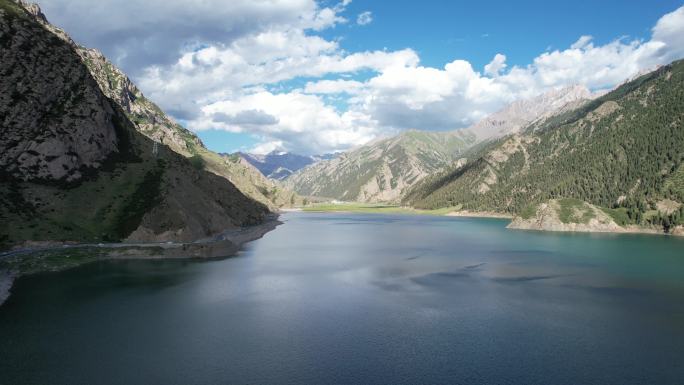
(363, 299)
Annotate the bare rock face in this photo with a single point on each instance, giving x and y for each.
(679, 230)
(54, 123)
(149, 119)
(152, 122)
(34, 10)
(58, 125)
(520, 114)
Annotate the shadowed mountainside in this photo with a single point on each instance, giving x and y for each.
(75, 168)
(151, 121)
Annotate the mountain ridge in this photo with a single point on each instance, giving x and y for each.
(621, 151)
(521, 113)
(280, 165)
(379, 174)
(381, 171)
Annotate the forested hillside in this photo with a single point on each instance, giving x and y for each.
(385, 170)
(623, 151)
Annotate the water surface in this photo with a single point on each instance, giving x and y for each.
(356, 298)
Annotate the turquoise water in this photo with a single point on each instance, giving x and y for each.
(355, 298)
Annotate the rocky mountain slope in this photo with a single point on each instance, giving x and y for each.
(254, 183)
(151, 121)
(74, 167)
(623, 151)
(53, 128)
(520, 114)
(383, 170)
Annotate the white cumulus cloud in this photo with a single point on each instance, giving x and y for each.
(364, 18)
(304, 122)
(497, 65)
(670, 31)
(140, 33)
(401, 94)
(261, 67)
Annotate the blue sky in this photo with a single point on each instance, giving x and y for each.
(306, 76)
(227, 142)
(442, 31)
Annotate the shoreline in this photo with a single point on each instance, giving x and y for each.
(222, 245)
(623, 231)
(632, 229)
(629, 230)
(478, 214)
(70, 254)
(290, 210)
(389, 210)
(581, 217)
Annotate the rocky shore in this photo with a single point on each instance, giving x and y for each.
(37, 257)
(563, 216)
(583, 218)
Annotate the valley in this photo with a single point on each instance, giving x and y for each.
(341, 192)
(518, 163)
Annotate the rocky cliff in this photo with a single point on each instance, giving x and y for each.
(522, 113)
(74, 167)
(56, 125)
(151, 121)
(148, 118)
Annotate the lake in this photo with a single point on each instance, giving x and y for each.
(332, 298)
